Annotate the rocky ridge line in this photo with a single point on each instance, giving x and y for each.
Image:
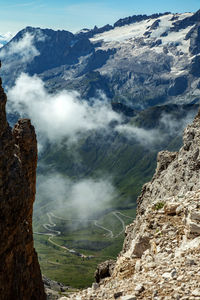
(20, 276)
(161, 253)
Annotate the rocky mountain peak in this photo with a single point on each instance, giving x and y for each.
(143, 60)
(138, 18)
(20, 276)
(161, 257)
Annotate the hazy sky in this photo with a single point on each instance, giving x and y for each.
(73, 15)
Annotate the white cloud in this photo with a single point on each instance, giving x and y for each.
(65, 115)
(83, 198)
(58, 115)
(176, 126)
(88, 195)
(143, 136)
(17, 54)
(24, 49)
(169, 126)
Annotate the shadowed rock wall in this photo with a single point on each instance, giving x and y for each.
(20, 276)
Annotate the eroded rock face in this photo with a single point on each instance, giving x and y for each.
(20, 276)
(176, 174)
(104, 270)
(161, 252)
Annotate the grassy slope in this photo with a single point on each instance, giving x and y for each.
(62, 266)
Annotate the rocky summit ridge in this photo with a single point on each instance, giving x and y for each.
(20, 276)
(141, 61)
(160, 259)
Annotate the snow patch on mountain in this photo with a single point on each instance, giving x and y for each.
(165, 23)
(124, 33)
(141, 60)
(178, 39)
(128, 33)
(182, 16)
(5, 38)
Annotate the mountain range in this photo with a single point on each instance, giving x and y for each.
(141, 60)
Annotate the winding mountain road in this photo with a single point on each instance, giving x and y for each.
(122, 222)
(52, 233)
(110, 233)
(51, 224)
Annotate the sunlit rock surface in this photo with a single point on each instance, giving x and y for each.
(161, 253)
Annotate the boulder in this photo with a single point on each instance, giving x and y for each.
(141, 244)
(104, 270)
(171, 208)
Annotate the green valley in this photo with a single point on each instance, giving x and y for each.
(74, 238)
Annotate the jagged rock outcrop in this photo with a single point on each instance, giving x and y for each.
(104, 270)
(161, 253)
(53, 289)
(137, 18)
(20, 276)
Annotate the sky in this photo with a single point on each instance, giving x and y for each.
(74, 15)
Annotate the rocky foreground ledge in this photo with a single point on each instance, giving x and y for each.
(20, 276)
(160, 259)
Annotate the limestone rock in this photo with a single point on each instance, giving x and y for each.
(196, 293)
(118, 295)
(128, 297)
(53, 285)
(95, 286)
(161, 253)
(164, 159)
(139, 288)
(141, 245)
(20, 276)
(104, 270)
(194, 228)
(195, 215)
(170, 208)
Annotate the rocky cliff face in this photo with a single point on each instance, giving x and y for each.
(20, 276)
(161, 252)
